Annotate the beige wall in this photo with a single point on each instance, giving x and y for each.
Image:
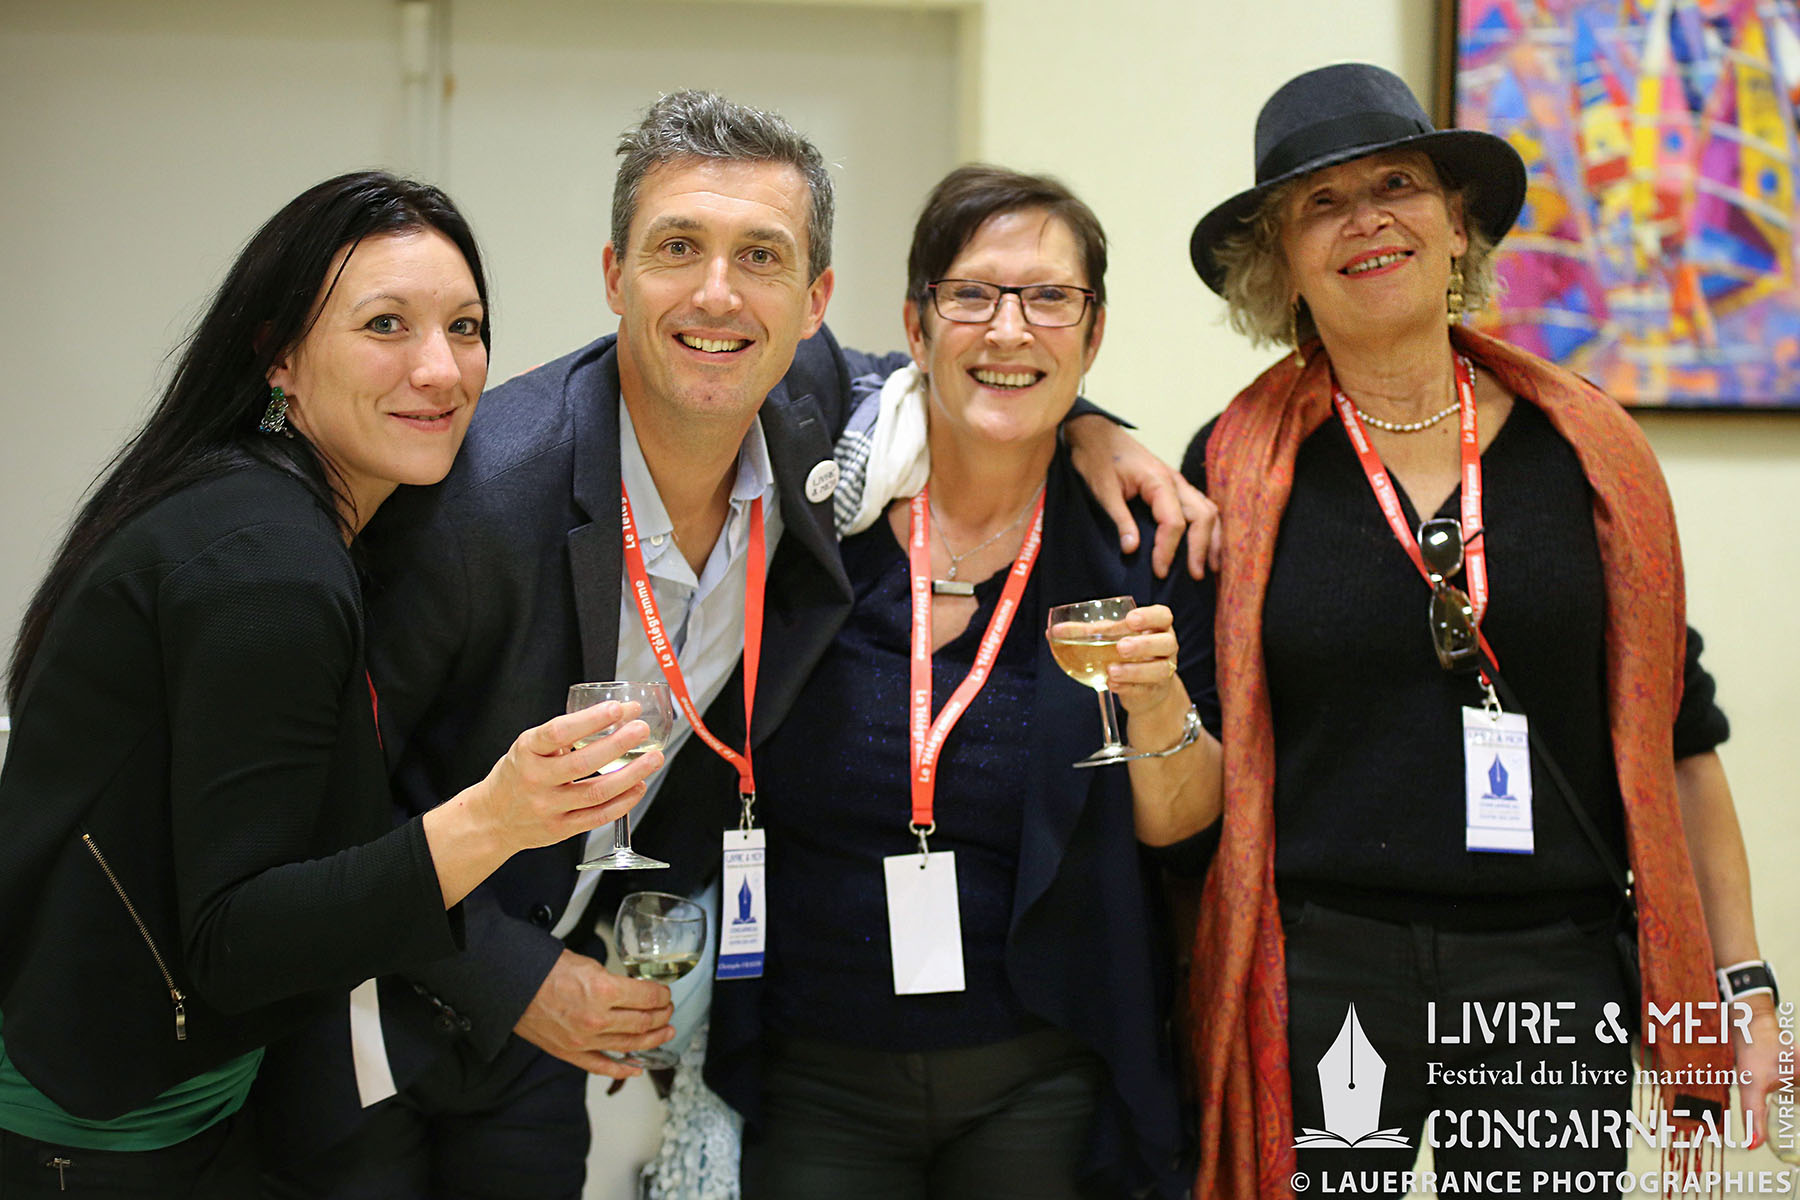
(1163, 96)
(143, 142)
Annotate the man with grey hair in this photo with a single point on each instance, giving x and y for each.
(712, 414)
(700, 125)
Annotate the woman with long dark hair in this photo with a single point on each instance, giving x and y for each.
(196, 841)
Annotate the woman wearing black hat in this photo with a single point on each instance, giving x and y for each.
(1458, 699)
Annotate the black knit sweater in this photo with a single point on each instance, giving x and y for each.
(1369, 806)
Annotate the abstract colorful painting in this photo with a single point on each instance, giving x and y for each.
(1655, 254)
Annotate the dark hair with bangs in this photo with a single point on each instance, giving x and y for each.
(968, 196)
(206, 418)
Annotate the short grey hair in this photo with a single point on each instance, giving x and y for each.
(1257, 284)
(688, 125)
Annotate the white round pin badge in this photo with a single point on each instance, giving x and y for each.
(822, 480)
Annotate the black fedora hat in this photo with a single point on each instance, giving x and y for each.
(1350, 110)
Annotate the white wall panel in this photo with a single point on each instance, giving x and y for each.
(141, 145)
(543, 88)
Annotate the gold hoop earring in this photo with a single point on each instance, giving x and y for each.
(1453, 297)
(1294, 333)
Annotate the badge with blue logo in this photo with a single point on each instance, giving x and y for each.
(743, 913)
(1497, 781)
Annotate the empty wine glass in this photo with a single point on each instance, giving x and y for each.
(1084, 641)
(656, 707)
(659, 937)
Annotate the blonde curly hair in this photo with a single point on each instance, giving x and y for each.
(1257, 285)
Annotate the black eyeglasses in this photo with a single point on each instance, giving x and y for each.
(1454, 634)
(973, 301)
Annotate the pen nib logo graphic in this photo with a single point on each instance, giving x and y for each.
(743, 899)
(1497, 781)
(1351, 1076)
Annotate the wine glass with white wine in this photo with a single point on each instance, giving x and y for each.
(661, 938)
(656, 708)
(1084, 641)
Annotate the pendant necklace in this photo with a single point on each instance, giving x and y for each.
(950, 585)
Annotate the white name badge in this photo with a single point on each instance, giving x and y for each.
(924, 923)
(1497, 781)
(368, 1046)
(743, 908)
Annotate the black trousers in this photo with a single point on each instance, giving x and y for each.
(1004, 1120)
(218, 1163)
(1466, 1097)
(515, 1128)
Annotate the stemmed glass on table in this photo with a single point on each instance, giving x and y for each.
(661, 938)
(1084, 641)
(656, 708)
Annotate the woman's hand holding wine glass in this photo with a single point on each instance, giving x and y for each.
(1143, 674)
(546, 787)
(1174, 794)
(653, 704)
(557, 780)
(1145, 681)
(1118, 649)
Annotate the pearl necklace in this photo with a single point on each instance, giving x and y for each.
(1409, 426)
(950, 585)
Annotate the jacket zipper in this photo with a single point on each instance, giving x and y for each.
(175, 993)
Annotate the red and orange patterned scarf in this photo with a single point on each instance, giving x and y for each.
(1239, 982)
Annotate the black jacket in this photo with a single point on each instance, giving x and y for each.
(198, 715)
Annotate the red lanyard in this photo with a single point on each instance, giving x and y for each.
(755, 580)
(1474, 545)
(927, 736)
(375, 709)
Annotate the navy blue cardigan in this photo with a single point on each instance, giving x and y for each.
(1082, 878)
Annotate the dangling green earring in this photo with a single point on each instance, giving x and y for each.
(274, 418)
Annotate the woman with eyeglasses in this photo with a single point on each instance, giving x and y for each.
(967, 979)
(1450, 576)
